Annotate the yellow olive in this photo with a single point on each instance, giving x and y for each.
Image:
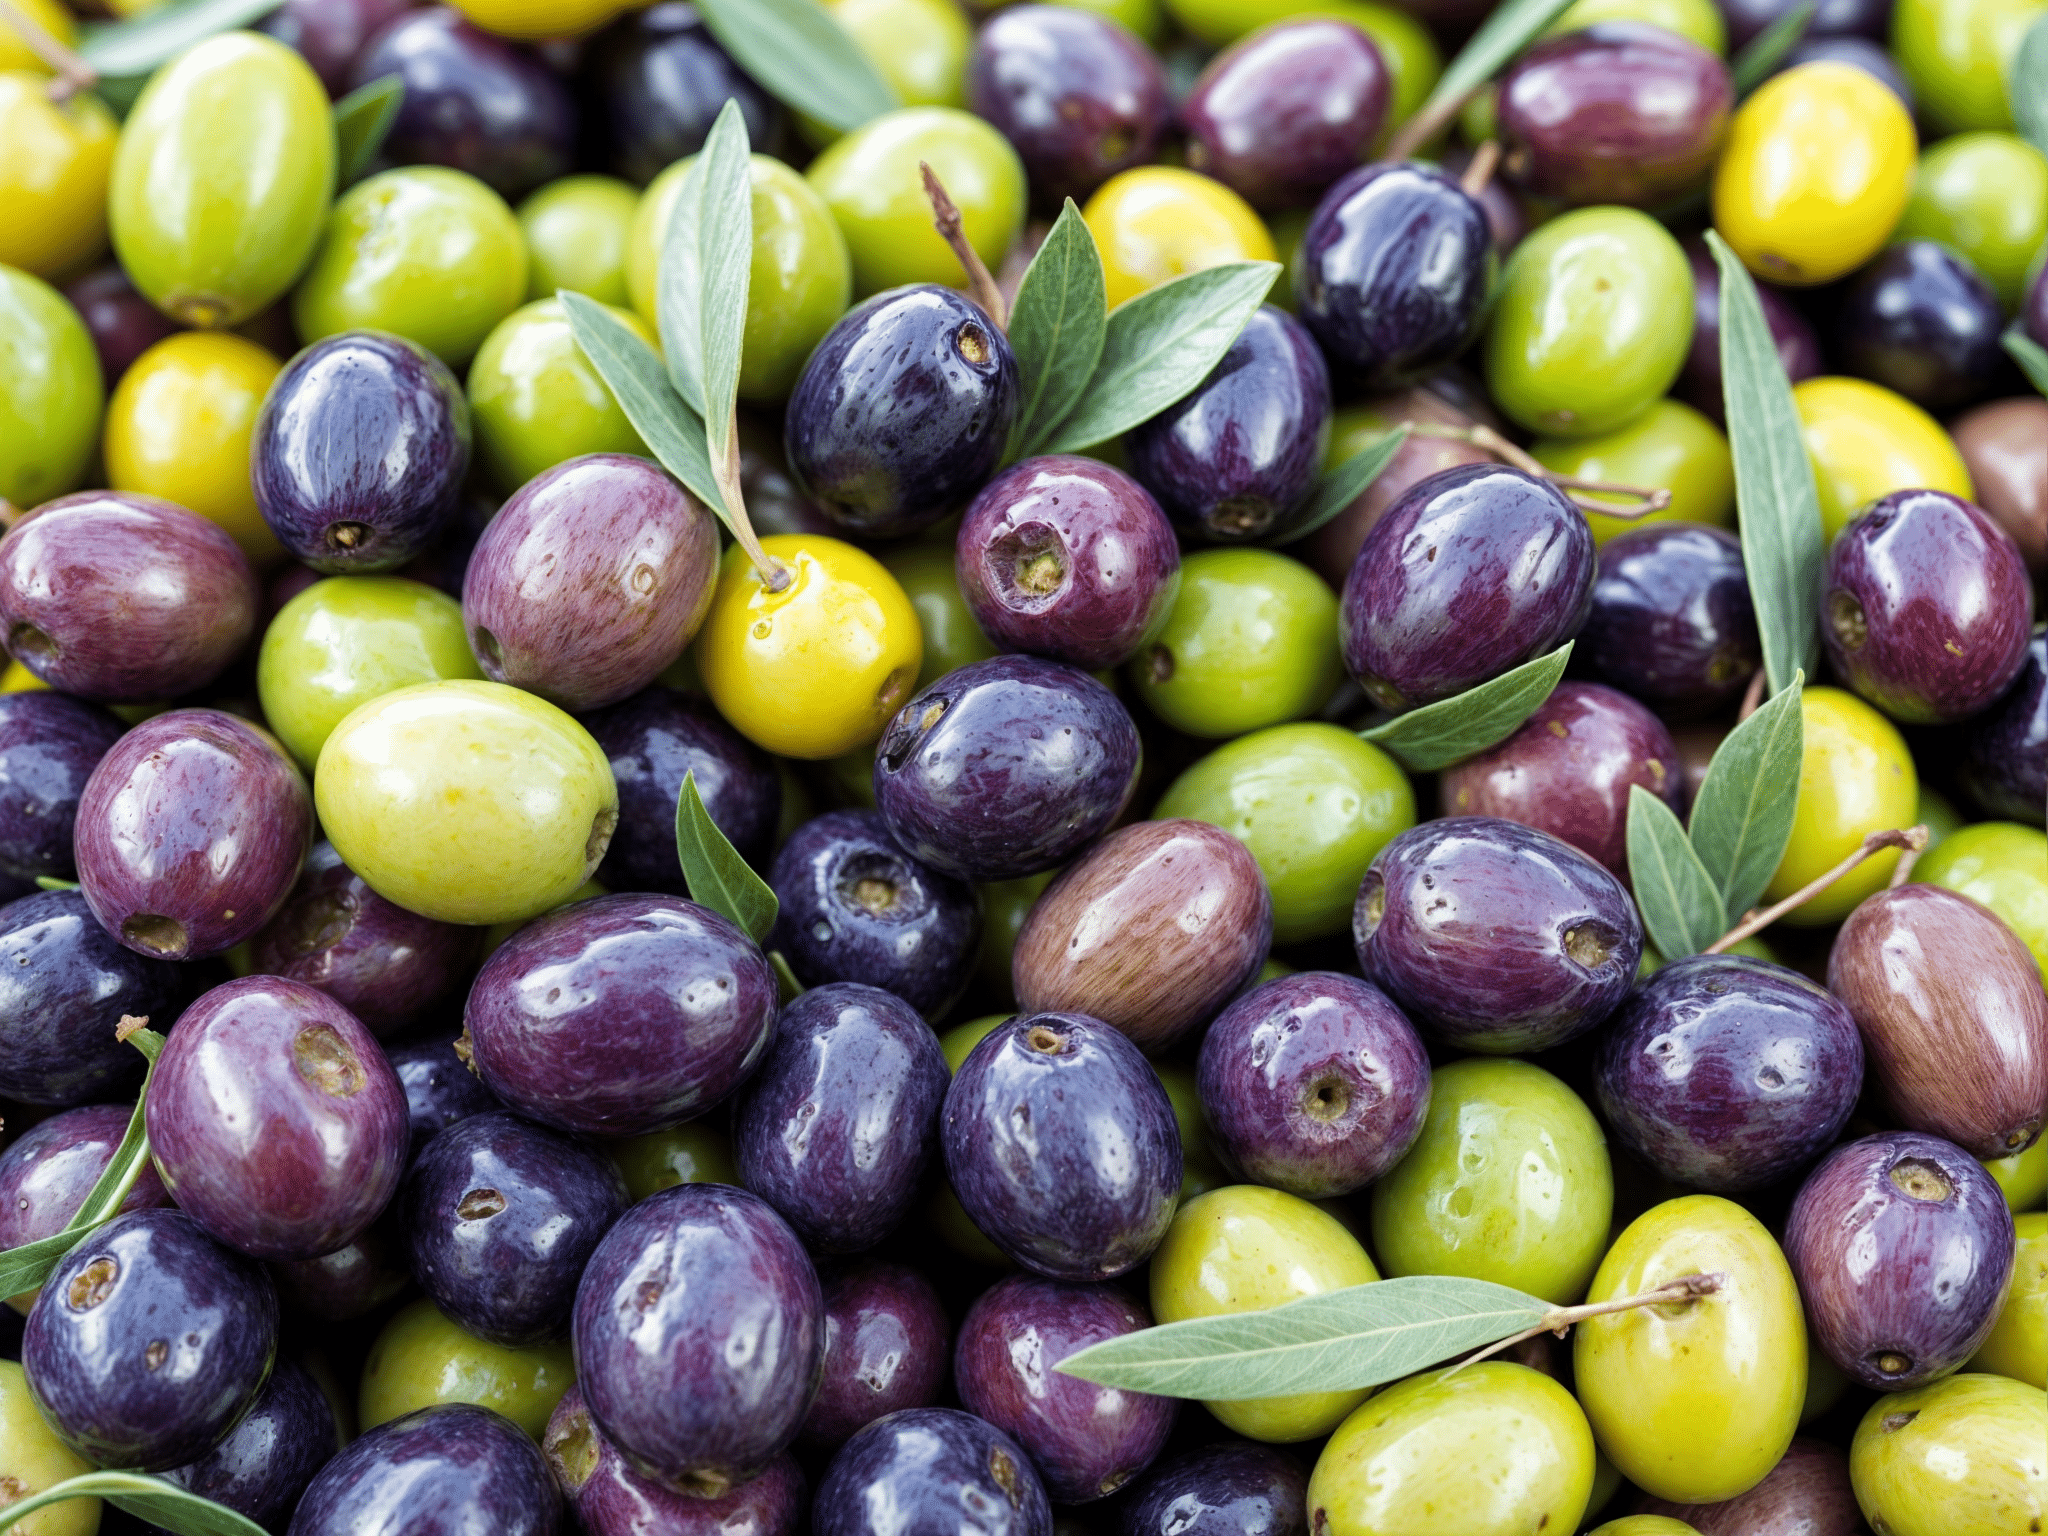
(2018, 1342)
(1866, 442)
(1966, 1456)
(1855, 778)
(54, 163)
(1158, 222)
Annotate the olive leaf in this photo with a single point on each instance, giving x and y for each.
(1767, 50)
(1343, 485)
(1742, 815)
(1779, 506)
(1439, 734)
(161, 1503)
(785, 978)
(2030, 355)
(362, 119)
(717, 876)
(139, 44)
(1681, 908)
(724, 212)
(1057, 327)
(2026, 87)
(52, 883)
(1510, 29)
(802, 57)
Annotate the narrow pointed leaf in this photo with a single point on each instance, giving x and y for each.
(785, 978)
(1439, 734)
(1510, 29)
(1057, 328)
(725, 245)
(147, 1498)
(1767, 50)
(678, 302)
(362, 118)
(2027, 89)
(716, 874)
(52, 883)
(2030, 355)
(1681, 909)
(802, 57)
(1742, 815)
(140, 44)
(1346, 483)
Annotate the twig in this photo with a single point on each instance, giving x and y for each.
(774, 574)
(1907, 860)
(1557, 1320)
(1752, 697)
(1426, 125)
(1485, 160)
(1653, 499)
(1911, 838)
(981, 286)
(73, 73)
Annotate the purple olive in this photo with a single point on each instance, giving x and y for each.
(886, 1338)
(267, 1460)
(65, 987)
(1902, 1246)
(659, 78)
(1151, 931)
(1699, 382)
(49, 1169)
(1927, 607)
(360, 450)
(440, 1090)
(1831, 18)
(1474, 571)
(1501, 938)
(2005, 750)
(590, 581)
(49, 745)
(837, 1127)
(1062, 1146)
(1997, 442)
(1953, 1017)
(1859, 53)
(1726, 1073)
(1230, 1489)
(1569, 768)
(1068, 558)
(122, 323)
(191, 833)
(449, 1470)
(350, 1282)
(1314, 1083)
(931, 1472)
(655, 740)
(148, 1341)
(621, 1015)
(1921, 320)
(1672, 622)
(699, 1336)
(124, 598)
(500, 1217)
(1806, 1494)
(855, 907)
(328, 34)
(1005, 768)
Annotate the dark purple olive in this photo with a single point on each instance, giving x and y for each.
(590, 581)
(1953, 1017)
(2000, 445)
(148, 1341)
(440, 1090)
(1726, 1073)
(1087, 1441)
(1699, 382)
(1077, 96)
(1619, 113)
(122, 323)
(1902, 1246)
(886, 1346)
(124, 598)
(1235, 459)
(1569, 769)
(655, 740)
(837, 1127)
(931, 1472)
(1921, 321)
(49, 745)
(1393, 273)
(328, 34)
(1501, 938)
(1857, 52)
(621, 1015)
(350, 1282)
(1926, 607)
(1314, 1083)
(658, 78)
(902, 411)
(500, 1217)
(1672, 622)
(449, 1470)
(855, 907)
(1068, 558)
(1062, 1146)
(275, 1120)
(1151, 931)
(1832, 18)
(1230, 1489)
(267, 1460)
(472, 101)
(2005, 749)
(1806, 1494)
(699, 1335)
(46, 1173)
(360, 449)
(1474, 571)
(1279, 115)
(191, 833)
(65, 986)
(1005, 767)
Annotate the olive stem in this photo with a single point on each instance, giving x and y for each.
(73, 73)
(1653, 499)
(981, 284)
(1752, 697)
(1559, 1319)
(1907, 859)
(1485, 161)
(1425, 125)
(774, 574)
(1913, 839)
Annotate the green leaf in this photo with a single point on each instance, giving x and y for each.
(802, 57)
(790, 987)
(1439, 734)
(2027, 89)
(1782, 543)
(1767, 50)
(678, 303)
(147, 1498)
(1681, 909)
(52, 883)
(1337, 1342)
(361, 120)
(717, 876)
(138, 45)
(2030, 355)
(1742, 815)
(1346, 483)
(1160, 345)
(1057, 327)
(725, 260)
(1509, 30)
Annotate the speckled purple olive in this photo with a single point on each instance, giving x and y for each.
(449, 1470)
(1922, 321)
(1005, 768)
(855, 907)
(267, 1460)
(1808, 1493)
(440, 1090)
(2005, 749)
(656, 79)
(350, 1282)
(148, 1341)
(1926, 607)
(1230, 1489)
(1902, 1246)
(46, 1173)
(590, 580)
(699, 1336)
(1475, 571)
(886, 1345)
(1672, 622)
(931, 1472)
(1501, 938)
(620, 1015)
(1727, 1073)
(837, 1127)
(1314, 1083)
(1699, 382)
(1062, 1146)
(359, 452)
(124, 598)
(49, 745)
(191, 833)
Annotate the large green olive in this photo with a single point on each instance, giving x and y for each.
(536, 400)
(421, 1358)
(51, 396)
(2023, 1176)
(1986, 195)
(32, 1459)
(576, 231)
(1669, 447)
(1956, 54)
(1855, 778)
(2017, 1345)
(2004, 865)
(693, 1153)
(1966, 1456)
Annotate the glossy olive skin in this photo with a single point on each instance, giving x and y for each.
(263, 1466)
(440, 1090)
(49, 745)
(1997, 442)
(1354, 428)
(1227, 1489)
(915, 1472)
(1699, 381)
(1672, 621)
(2004, 865)
(123, 324)
(47, 1171)
(1960, 1455)
(658, 78)
(1856, 777)
(2005, 749)
(327, 35)
(1920, 320)
(887, 1341)
(420, 1359)
(1806, 1494)
(437, 1472)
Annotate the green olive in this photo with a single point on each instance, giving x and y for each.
(421, 1358)
(1965, 1456)
(51, 397)
(1004, 906)
(694, 1153)
(2004, 865)
(2023, 1176)
(1699, 20)
(1669, 447)
(951, 637)
(536, 400)
(576, 231)
(33, 1459)
(2018, 1343)
(1956, 54)
(1985, 195)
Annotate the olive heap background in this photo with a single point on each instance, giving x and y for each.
(360, 651)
